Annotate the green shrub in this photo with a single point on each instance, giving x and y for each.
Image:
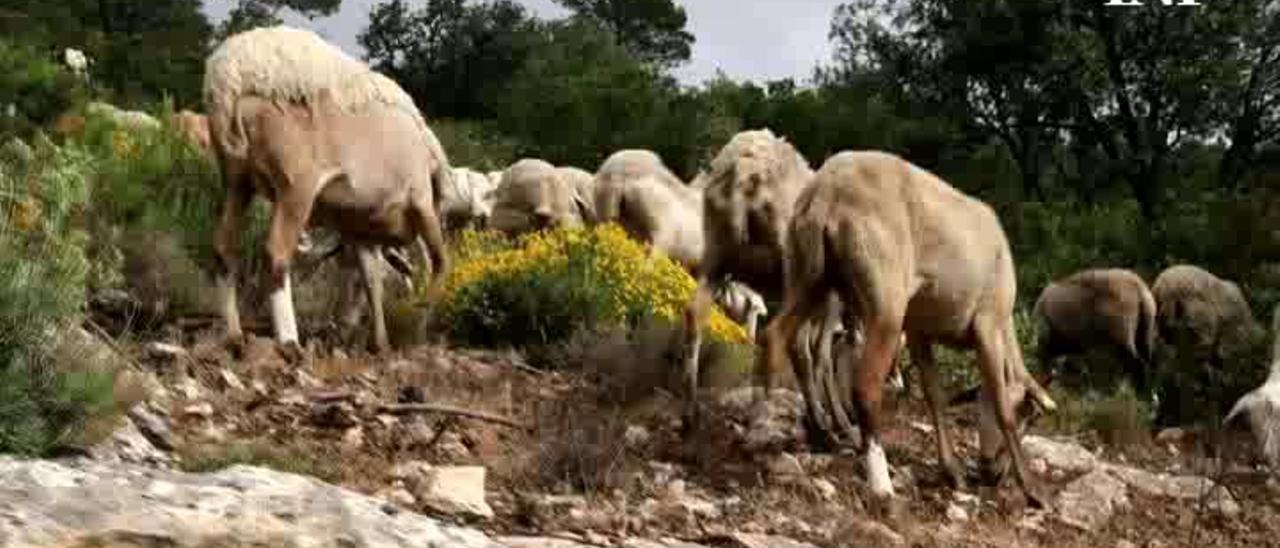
(471, 144)
(52, 384)
(552, 284)
(1117, 416)
(38, 87)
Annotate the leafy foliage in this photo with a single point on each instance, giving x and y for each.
(38, 88)
(652, 30)
(552, 284)
(51, 386)
(140, 52)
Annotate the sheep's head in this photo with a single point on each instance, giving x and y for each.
(744, 193)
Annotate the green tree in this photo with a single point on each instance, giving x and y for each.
(456, 59)
(249, 14)
(653, 30)
(581, 96)
(140, 52)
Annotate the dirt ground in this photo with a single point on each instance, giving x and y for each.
(547, 438)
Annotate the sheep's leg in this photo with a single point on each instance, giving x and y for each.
(695, 316)
(922, 356)
(431, 244)
(781, 346)
(883, 333)
(993, 351)
(837, 404)
(371, 272)
(808, 366)
(349, 298)
(227, 248)
(288, 219)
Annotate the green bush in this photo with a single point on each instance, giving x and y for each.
(473, 145)
(38, 87)
(51, 384)
(550, 285)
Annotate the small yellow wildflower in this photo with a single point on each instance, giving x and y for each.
(25, 214)
(640, 282)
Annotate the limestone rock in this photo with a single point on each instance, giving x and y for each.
(452, 490)
(102, 504)
(1066, 456)
(1090, 501)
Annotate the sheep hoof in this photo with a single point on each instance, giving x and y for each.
(291, 352)
(235, 344)
(992, 471)
(955, 477)
(1035, 500)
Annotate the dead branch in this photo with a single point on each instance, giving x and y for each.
(409, 408)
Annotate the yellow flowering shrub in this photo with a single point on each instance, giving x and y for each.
(544, 286)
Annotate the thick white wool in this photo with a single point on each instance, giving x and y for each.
(296, 65)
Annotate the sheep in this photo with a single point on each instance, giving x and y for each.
(535, 196)
(903, 250)
(129, 119)
(635, 190)
(583, 184)
(289, 114)
(1202, 312)
(472, 203)
(1093, 307)
(1261, 406)
(195, 128)
(618, 171)
(742, 304)
(76, 60)
(748, 195)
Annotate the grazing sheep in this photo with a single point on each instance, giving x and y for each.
(618, 171)
(1205, 313)
(634, 190)
(333, 143)
(905, 251)
(195, 128)
(583, 184)
(741, 304)
(1262, 405)
(1100, 307)
(535, 196)
(471, 204)
(130, 119)
(748, 195)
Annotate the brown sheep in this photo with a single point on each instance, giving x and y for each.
(1204, 313)
(904, 250)
(533, 196)
(748, 195)
(1100, 307)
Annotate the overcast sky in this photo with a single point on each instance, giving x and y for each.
(747, 39)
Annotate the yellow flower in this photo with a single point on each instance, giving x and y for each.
(123, 146)
(25, 214)
(640, 282)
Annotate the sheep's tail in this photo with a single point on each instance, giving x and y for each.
(808, 241)
(1145, 338)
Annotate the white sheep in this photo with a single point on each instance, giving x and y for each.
(1261, 406)
(292, 113)
(535, 196)
(742, 304)
(130, 119)
(76, 60)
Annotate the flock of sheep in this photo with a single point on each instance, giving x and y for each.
(868, 241)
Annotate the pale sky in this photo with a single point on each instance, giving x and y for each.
(747, 39)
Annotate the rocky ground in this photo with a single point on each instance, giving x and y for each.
(469, 448)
